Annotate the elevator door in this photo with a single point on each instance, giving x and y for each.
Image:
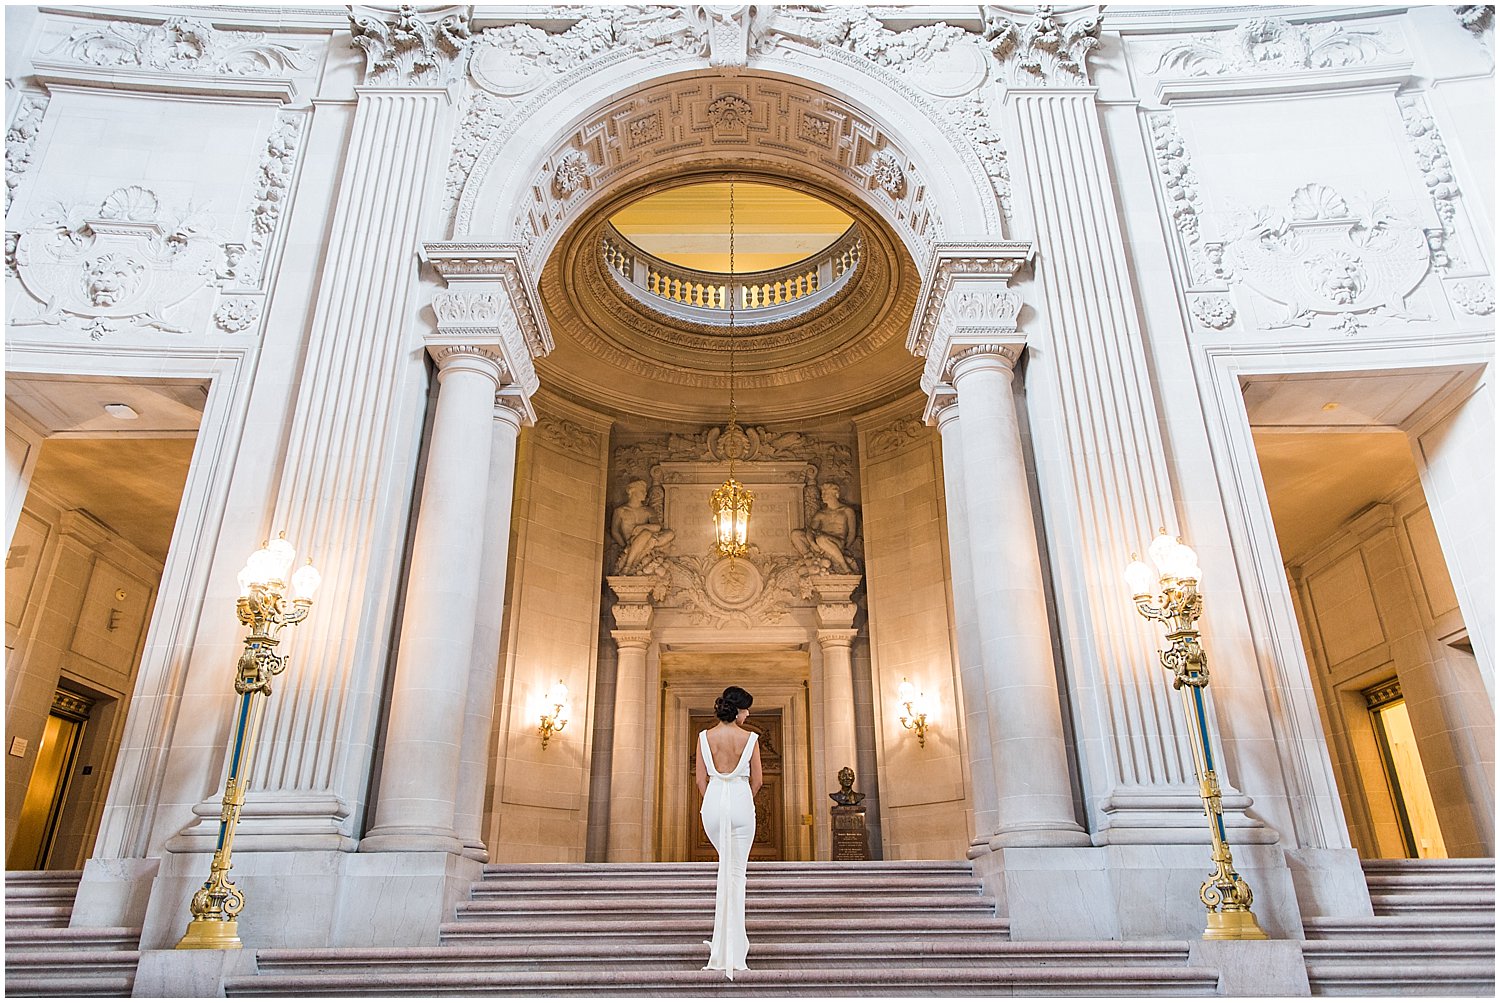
(48, 789)
(770, 828)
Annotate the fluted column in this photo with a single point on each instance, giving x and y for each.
(351, 453)
(418, 799)
(978, 722)
(1034, 802)
(474, 765)
(628, 833)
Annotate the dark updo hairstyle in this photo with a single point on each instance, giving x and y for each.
(734, 700)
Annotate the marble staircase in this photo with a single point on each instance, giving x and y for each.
(44, 956)
(816, 929)
(1433, 933)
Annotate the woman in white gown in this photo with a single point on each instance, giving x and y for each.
(729, 819)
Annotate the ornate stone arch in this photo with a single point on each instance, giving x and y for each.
(527, 163)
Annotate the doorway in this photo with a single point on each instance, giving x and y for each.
(1404, 709)
(770, 830)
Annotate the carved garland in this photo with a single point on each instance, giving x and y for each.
(181, 44)
(20, 141)
(1272, 45)
(273, 192)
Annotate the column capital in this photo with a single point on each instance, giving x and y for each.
(1043, 50)
(836, 637)
(1001, 355)
(626, 639)
(489, 298)
(942, 406)
(411, 46)
(482, 359)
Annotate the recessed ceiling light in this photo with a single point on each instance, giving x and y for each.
(121, 412)
(1331, 406)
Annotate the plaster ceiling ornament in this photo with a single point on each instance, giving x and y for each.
(1476, 17)
(730, 112)
(731, 30)
(181, 44)
(517, 59)
(1325, 257)
(1042, 51)
(20, 140)
(273, 190)
(571, 173)
(1437, 172)
(423, 48)
(1273, 45)
(237, 313)
(941, 59)
(886, 172)
(120, 261)
(1213, 312)
(816, 128)
(1475, 297)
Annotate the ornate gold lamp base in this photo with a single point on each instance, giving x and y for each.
(1238, 925)
(211, 935)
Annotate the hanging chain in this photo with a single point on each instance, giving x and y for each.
(733, 295)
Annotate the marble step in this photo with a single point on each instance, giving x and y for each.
(593, 955)
(1390, 949)
(695, 929)
(1145, 980)
(675, 903)
(1397, 930)
(100, 939)
(1402, 977)
(70, 986)
(46, 915)
(764, 883)
(755, 867)
(67, 972)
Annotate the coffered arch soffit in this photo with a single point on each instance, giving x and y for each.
(858, 127)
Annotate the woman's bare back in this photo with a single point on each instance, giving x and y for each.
(727, 745)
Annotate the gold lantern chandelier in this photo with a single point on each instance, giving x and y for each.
(731, 502)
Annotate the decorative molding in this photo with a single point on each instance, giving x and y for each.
(1474, 296)
(12, 238)
(20, 141)
(730, 112)
(1042, 52)
(886, 172)
(410, 47)
(1273, 45)
(755, 444)
(895, 436)
(571, 173)
(1213, 312)
(570, 437)
(920, 50)
(1437, 174)
(769, 586)
(273, 192)
(1179, 184)
(503, 262)
(953, 261)
(730, 31)
(464, 309)
(122, 262)
(237, 313)
(971, 117)
(1477, 18)
(1320, 256)
(181, 45)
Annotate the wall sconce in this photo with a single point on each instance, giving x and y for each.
(913, 710)
(554, 712)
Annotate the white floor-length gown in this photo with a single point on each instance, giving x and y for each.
(729, 820)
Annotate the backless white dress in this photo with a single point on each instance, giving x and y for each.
(729, 820)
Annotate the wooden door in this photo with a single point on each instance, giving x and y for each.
(770, 827)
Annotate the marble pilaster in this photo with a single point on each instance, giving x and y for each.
(629, 835)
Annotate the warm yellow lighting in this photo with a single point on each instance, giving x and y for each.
(554, 717)
(913, 710)
(731, 508)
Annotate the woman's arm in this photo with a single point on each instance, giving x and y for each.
(701, 771)
(755, 777)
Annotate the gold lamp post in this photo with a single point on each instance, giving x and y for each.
(1178, 606)
(266, 605)
(731, 502)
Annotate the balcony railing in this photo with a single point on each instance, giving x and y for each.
(703, 297)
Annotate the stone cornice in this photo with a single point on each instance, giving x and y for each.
(463, 262)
